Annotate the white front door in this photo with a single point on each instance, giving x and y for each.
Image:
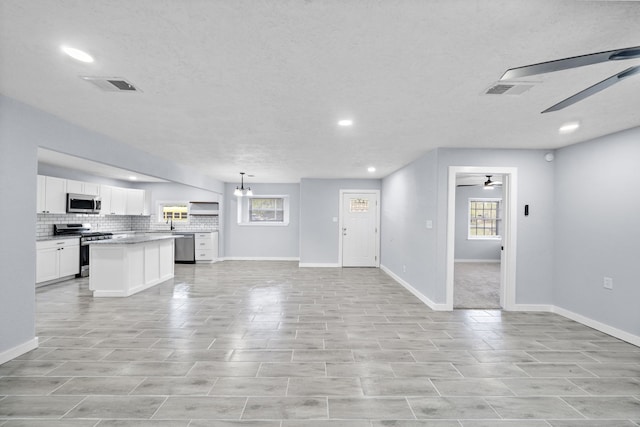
(360, 229)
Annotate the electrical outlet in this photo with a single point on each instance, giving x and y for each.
(608, 283)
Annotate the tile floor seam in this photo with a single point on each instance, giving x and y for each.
(574, 408)
(74, 407)
(158, 408)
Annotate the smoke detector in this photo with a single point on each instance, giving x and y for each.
(111, 84)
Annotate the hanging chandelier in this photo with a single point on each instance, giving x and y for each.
(241, 191)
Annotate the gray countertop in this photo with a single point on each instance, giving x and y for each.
(129, 240)
(44, 239)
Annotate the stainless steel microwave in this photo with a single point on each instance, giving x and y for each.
(83, 203)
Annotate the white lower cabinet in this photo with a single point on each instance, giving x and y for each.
(206, 246)
(120, 268)
(56, 259)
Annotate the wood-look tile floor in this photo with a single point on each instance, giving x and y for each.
(271, 345)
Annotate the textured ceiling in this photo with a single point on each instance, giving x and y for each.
(258, 86)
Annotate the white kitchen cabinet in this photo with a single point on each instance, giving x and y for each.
(123, 267)
(118, 201)
(105, 197)
(91, 188)
(80, 187)
(206, 246)
(56, 259)
(135, 201)
(114, 200)
(52, 195)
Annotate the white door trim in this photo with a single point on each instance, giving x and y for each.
(340, 222)
(510, 195)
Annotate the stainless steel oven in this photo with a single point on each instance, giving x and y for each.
(86, 237)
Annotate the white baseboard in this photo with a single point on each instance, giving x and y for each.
(258, 258)
(319, 264)
(547, 308)
(432, 305)
(599, 326)
(602, 327)
(533, 307)
(18, 350)
(497, 261)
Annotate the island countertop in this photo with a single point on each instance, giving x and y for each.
(133, 239)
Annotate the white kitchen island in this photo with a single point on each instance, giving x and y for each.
(124, 266)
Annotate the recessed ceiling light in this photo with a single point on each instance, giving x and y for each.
(345, 122)
(132, 178)
(371, 169)
(569, 127)
(77, 54)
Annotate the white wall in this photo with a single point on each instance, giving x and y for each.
(598, 230)
(319, 204)
(473, 249)
(262, 242)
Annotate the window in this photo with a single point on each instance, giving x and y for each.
(173, 211)
(358, 205)
(484, 219)
(263, 210)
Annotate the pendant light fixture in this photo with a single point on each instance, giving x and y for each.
(241, 191)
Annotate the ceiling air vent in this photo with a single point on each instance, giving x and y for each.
(111, 84)
(508, 88)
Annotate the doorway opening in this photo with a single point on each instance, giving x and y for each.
(481, 237)
(359, 228)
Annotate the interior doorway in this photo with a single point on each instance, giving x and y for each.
(359, 228)
(490, 258)
(478, 241)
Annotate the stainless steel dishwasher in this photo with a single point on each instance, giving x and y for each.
(185, 248)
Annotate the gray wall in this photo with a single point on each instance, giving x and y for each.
(22, 130)
(248, 241)
(319, 204)
(18, 170)
(535, 232)
(408, 248)
(473, 249)
(598, 230)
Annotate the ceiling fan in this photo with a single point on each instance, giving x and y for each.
(575, 62)
(489, 183)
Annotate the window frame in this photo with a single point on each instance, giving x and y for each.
(498, 218)
(161, 204)
(244, 218)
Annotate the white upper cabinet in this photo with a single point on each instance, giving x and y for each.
(118, 201)
(105, 196)
(52, 195)
(76, 187)
(135, 201)
(80, 187)
(114, 200)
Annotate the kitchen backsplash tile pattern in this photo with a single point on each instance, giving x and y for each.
(195, 223)
(44, 226)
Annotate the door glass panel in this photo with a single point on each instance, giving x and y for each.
(358, 205)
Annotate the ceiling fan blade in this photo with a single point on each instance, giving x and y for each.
(594, 89)
(572, 62)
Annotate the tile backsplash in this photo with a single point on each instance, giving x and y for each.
(44, 225)
(195, 223)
